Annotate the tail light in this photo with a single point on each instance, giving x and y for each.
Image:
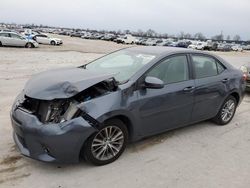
(245, 77)
(245, 71)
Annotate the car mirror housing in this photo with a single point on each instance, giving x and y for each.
(153, 83)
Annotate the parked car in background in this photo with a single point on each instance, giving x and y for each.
(150, 42)
(87, 35)
(246, 71)
(210, 45)
(14, 39)
(108, 37)
(76, 34)
(126, 39)
(141, 41)
(197, 45)
(45, 39)
(183, 44)
(94, 110)
(224, 47)
(246, 47)
(237, 48)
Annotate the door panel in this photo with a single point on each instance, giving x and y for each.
(17, 40)
(209, 93)
(166, 108)
(210, 89)
(170, 106)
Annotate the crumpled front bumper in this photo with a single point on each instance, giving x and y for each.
(60, 142)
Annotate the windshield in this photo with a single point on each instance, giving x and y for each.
(125, 63)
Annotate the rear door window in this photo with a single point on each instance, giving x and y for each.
(205, 66)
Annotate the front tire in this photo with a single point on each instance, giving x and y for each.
(1, 44)
(53, 43)
(107, 144)
(29, 45)
(227, 111)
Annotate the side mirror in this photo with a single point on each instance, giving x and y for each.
(153, 83)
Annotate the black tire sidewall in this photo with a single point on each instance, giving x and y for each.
(31, 45)
(53, 43)
(87, 147)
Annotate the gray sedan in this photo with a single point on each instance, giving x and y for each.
(14, 39)
(93, 111)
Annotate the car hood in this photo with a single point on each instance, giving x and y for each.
(62, 83)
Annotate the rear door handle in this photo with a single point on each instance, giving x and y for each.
(190, 88)
(225, 80)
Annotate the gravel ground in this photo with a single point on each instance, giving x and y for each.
(201, 155)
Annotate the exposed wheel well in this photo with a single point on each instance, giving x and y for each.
(236, 96)
(127, 122)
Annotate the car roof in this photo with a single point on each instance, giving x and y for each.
(162, 50)
(9, 32)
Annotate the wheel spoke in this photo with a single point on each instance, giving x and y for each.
(98, 148)
(114, 147)
(106, 132)
(100, 152)
(94, 145)
(110, 131)
(112, 151)
(118, 134)
(97, 140)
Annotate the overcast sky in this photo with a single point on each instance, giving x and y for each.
(165, 16)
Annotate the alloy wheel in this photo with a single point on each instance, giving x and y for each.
(228, 110)
(107, 143)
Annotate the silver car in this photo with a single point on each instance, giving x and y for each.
(14, 39)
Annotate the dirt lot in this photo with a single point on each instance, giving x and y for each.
(202, 155)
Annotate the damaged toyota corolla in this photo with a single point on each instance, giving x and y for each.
(93, 111)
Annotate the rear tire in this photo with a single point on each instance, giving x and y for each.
(226, 112)
(106, 145)
(1, 44)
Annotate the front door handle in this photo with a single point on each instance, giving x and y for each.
(225, 80)
(190, 88)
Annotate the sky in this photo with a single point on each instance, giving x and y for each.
(164, 16)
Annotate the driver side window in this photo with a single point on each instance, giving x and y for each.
(171, 70)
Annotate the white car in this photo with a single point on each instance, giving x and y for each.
(197, 46)
(237, 48)
(127, 39)
(14, 39)
(44, 39)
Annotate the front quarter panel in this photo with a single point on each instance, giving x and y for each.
(118, 103)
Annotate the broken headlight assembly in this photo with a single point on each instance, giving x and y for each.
(61, 110)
